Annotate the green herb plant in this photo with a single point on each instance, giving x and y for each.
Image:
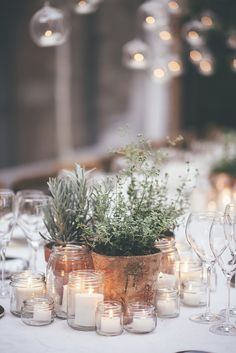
(132, 210)
(67, 214)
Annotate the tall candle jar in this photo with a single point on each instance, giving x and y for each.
(169, 272)
(167, 303)
(37, 311)
(109, 318)
(25, 285)
(190, 270)
(140, 318)
(62, 261)
(85, 292)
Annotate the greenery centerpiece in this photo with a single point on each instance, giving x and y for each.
(131, 212)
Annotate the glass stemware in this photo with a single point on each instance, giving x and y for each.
(6, 227)
(30, 218)
(197, 232)
(224, 249)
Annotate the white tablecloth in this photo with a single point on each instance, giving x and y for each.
(170, 336)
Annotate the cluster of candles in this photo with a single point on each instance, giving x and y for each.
(82, 300)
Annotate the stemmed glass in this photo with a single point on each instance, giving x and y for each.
(30, 218)
(6, 227)
(197, 232)
(223, 247)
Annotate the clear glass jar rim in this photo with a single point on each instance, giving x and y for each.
(48, 301)
(85, 276)
(70, 249)
(25, 276)
(165, 243)
(140, 307)
(108, 305)
(167, 291)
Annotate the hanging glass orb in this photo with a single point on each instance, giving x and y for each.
(206, 65)
(175, 66)
(175, 7)
(208, 20)
(160, 73)
(195, 56)
(231, 39)
(49, 27)
(192, 32)
(135, 55)
(85, 7)
(152, 15)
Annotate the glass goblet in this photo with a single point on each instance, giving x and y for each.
(224, 250)
(6, 227)
(197, 232)
(30, 219)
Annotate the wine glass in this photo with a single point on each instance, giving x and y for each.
(230, 232)
(30, 219)
(197, 232)
(224, 250)
(6, 227)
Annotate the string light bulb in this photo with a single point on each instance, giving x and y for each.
(152, 15)
(85, 7)
(175, 66)
(208, 20)
(206, 66)
(135, 55)
(231, 39)
(49, 27)
(192, 32)
(159, 73)
(174, 7)
(195, 56)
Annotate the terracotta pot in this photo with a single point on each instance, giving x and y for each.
(128, 278)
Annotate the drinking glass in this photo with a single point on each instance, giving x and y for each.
(224, 250)
(230, 232)
(6, 227)
(30, 218)
(197, 232)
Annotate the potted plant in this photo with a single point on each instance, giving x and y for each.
(67, 214)
(131, 212)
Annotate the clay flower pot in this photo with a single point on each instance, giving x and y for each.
(129, 278)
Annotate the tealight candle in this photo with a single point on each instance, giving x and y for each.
(166, 280)
(38, 311)
(167, 303)
(109, 318)
(140, 318)
(193, 293)
(25, 286)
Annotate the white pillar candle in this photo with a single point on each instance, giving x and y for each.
(85, 308)
(42, 312)
(166, 307)
(65, 298)
(110, 323)
(142, 324)
(27, 292)
(166, 280)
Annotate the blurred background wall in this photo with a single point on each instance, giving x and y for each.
(81, 91)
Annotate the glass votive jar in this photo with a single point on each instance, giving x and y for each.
(167, 303)
(37, 311)
(140, 318)
(62, 261)
(109, 318)
(25, 285)
(193, 293)
(85, 292)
